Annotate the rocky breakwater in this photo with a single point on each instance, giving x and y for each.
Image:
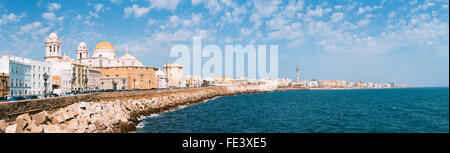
(116, 116)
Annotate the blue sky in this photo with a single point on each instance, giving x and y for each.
(397, 41)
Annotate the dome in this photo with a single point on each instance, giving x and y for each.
(106, 50)
(53, 35)
(104, 45)
(82, 45)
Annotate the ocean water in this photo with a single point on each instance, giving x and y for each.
(410, 110)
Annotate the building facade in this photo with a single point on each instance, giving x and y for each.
(129, 77)
(162, 79)
(4, 84)
(38, 70)
(174, 73)
(79, 77)
(94, 76)
(19, 74)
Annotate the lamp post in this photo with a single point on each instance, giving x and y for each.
(45, 84)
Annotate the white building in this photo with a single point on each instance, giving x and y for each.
(162, 79)
(104, 55)
(38, 69)
(62, 76)
(19, 74)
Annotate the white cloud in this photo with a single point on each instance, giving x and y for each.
(29, 27)
(50, 16)
(423, 7)
(392, 14)
(213, 6)
(10, 18)
(136, 10)
(361, 10)
(317, 12)
(196, 18)
(276, 23)
(363, 22)
(244, 32)
(336, 17)
(164, 4)
(174, 21)
(263, 9)
(337, 7)
(196, 2)
(99, 7)
(151, 22)
(53, 6)
(116, 1)
(266, 8)
(78, 17)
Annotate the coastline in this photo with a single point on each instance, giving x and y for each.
(121, 115)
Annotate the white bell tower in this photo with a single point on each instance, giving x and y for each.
(53, 48)
(82, 51)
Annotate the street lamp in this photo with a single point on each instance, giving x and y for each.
(45, 84)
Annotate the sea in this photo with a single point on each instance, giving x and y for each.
(399, 110)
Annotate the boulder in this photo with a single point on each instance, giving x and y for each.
(3, 126)
(58, 118)
(22, 121)
(50, 128)
(99, 125)
(71, 129)
(35, 128)
(109, 130)
(73, 123)
(11, 129)
(68, 115)
(41, 117)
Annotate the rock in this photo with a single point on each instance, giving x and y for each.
(91, 128)
(37, 128)
(58, 118)
(41, 117)
(99, 125)
(3, 126)
(11, 129)
(73, 123)
(67, 115)
(22, 121)
(109, 130)
(71, 129)
(50, 128)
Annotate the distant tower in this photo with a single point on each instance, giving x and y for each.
(82, 51)
(298, 74)
(53, 48)
(174, 73)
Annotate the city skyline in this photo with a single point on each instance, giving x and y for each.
(404, 42)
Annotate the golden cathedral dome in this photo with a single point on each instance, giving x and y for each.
(104, 45)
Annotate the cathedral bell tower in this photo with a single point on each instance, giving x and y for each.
(82, 51)
(53, 48)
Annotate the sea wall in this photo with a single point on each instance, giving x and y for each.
(117, 112)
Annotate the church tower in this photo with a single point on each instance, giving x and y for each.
(82, 51)
(53, 48)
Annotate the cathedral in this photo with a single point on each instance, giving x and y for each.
(104, 55)
(104, 70)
